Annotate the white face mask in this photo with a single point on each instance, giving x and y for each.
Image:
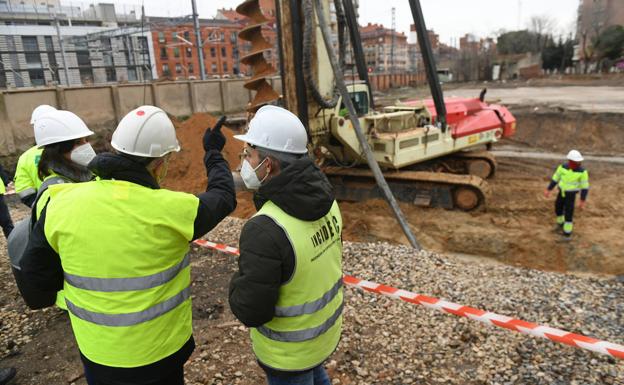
(249, 176)
(82, 154)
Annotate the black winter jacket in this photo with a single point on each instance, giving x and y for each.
(267, 258)
(42, 275)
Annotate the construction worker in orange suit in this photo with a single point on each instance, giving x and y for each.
(571, 178)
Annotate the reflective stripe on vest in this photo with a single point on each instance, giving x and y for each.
(302, 335)
(571, 180)
(309, 307)
(126, 284)
(307, 323)
(27, 192)
(127, 278)
(129, 319)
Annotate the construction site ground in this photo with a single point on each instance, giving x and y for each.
(506, 258)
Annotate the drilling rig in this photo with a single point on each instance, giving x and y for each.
(432, 152)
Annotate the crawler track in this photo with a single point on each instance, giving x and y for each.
(422, 188)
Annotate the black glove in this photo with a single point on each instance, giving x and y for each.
(213, 138)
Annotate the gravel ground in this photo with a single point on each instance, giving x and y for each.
(389, 342)
(386, 341)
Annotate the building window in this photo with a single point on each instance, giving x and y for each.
(187, 35)
(132, 74)
(222, 36)
(213, 52)
(36, 77)
(178, 68)
(174, 36)
(233, 37)
(142, 43)
(165, 69)
(31, 51)
(161, 37)
(225, 67)
(111, 75)
(190, 68)
(30, 43)
(176, 52)
(3, 81)
(189, 52)
(163, 53)
(52, 58)
(213, 67)
(223, 52)
(84, 63)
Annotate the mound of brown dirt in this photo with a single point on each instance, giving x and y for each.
(186, 170)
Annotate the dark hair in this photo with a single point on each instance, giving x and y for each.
(55, 154)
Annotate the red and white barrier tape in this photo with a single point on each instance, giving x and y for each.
(486, 317)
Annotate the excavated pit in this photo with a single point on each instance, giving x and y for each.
(516, 228)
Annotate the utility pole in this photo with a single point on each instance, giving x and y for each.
(393, 40)
(200, 51)
(60, 39)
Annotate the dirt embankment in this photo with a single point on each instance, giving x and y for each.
(186, 169)
(560, 130)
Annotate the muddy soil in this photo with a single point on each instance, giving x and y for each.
(516, 228)
(186, 169)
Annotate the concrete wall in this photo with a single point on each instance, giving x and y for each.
(101, 107)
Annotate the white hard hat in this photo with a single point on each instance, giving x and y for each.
(575, 156)
(277, 129)
(39, 111)
(58, 126)
(146, 131)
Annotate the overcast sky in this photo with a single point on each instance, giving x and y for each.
(449, 18)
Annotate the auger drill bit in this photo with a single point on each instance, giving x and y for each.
(255, 58)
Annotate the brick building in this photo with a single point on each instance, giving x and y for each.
(269, 31)
(472, 43)
(377, 42)
(176, 52)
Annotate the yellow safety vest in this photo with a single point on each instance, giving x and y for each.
(308, 315)
(569, 180)
(124, 248)
(26, 178)
(39, 205)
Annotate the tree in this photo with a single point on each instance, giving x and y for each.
(542, 27)
(516, 42)
(558, 55)
(610, 43)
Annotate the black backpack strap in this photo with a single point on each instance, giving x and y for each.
(44, 186)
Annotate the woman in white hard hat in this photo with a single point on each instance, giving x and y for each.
(66, 151)
(66, 154)
(570, 178)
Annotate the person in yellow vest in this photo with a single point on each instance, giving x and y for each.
(62, 137)
(288, 288)
(119, 247)
(5, 216)
(570, 178)
(26, 177)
